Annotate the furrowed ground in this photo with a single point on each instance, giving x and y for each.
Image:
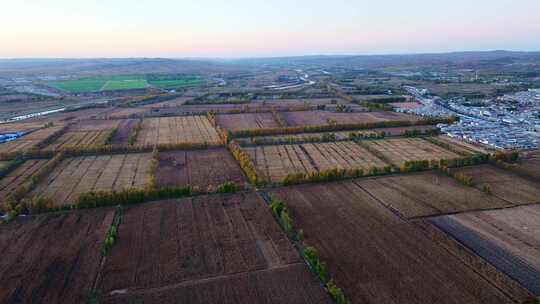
(504, 184)
(208, 168)
(77, 175)
(318, 118)
(52, 258)
(508, 239)
(374, 255)
(209, 249)
(427, 194)
(234, 122)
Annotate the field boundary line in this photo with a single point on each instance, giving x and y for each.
(423, 217)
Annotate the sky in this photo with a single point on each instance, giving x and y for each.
(253, 28)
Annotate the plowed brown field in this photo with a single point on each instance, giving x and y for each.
(377, 257)
(248, 121)
(204, 249)
(509, 239)
(504, 184)
(201, 168)
(428, 193)
(52, 258)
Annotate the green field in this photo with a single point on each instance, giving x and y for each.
(125, 82)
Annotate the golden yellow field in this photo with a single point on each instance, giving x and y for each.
(77, 175)
(177, 130)
(275, 162)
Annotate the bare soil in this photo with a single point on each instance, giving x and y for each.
(198, 248)
(374, 255)
(508, 239)
(427, 194)
(202, 168)
(52, 258)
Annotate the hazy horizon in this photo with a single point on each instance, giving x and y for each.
(254, 29)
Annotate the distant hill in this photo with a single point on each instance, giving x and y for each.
(92, 67)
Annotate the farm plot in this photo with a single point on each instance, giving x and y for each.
(198, 168)
(125, 129)
(124, 113)
(400, 150)
(79, 140)
(504, 184)
(29, 141)
(204, 248)
(278, 161)
(377, 257)
(42, 261)
(248, 121)
(340, 135)
(95, 125)
(77, 175)
(177, 130)
(319, 118)
(427, 194)
(509, 239)
(19, 176)
(3, 164)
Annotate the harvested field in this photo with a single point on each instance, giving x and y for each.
(201, 168)
(528, 168)
(77, 175)
(42, 261)
(406, 105)
(462, 145)
(509, 239)
(377, 257)
(177, 102)
(319, 118)
(177, 130)
(125, 129)
(277, 161)
(248, 121)
(341, 135)
(400, 150)
(207, 247)
(427, 194)
(79, 140)
(19, 176)
(29, 141)
(94, 125)
(20, 127)
(124, 112)
(504, 184)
